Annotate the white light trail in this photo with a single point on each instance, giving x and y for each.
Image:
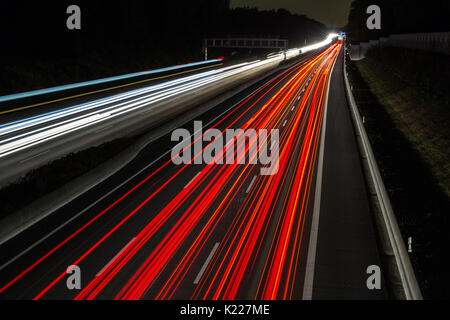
(19, 135)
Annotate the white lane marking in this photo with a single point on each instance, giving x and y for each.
(205, 265)
(111, 261)
(300, 96)
(35, 244)
(284, 124)
(293, 108)
(251, 185)
(193, 179)
(312, 247)
(35, 156)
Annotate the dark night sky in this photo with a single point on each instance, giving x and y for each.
(333, 13)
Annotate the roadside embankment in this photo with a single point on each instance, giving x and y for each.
(403, 97)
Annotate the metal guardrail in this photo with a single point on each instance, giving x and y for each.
(401, 276)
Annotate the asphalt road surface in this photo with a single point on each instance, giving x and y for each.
(158, 230)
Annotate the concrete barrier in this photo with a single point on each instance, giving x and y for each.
(358, 52)
(438, 42)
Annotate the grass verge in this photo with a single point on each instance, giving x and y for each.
(412, 86)
(406, 119)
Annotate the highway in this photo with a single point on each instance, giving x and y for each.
(157, 230)
(31, 141)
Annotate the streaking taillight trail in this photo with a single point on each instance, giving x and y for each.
(203, 204)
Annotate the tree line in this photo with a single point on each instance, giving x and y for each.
(167, 31)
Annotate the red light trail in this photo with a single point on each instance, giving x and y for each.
(260, 222)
